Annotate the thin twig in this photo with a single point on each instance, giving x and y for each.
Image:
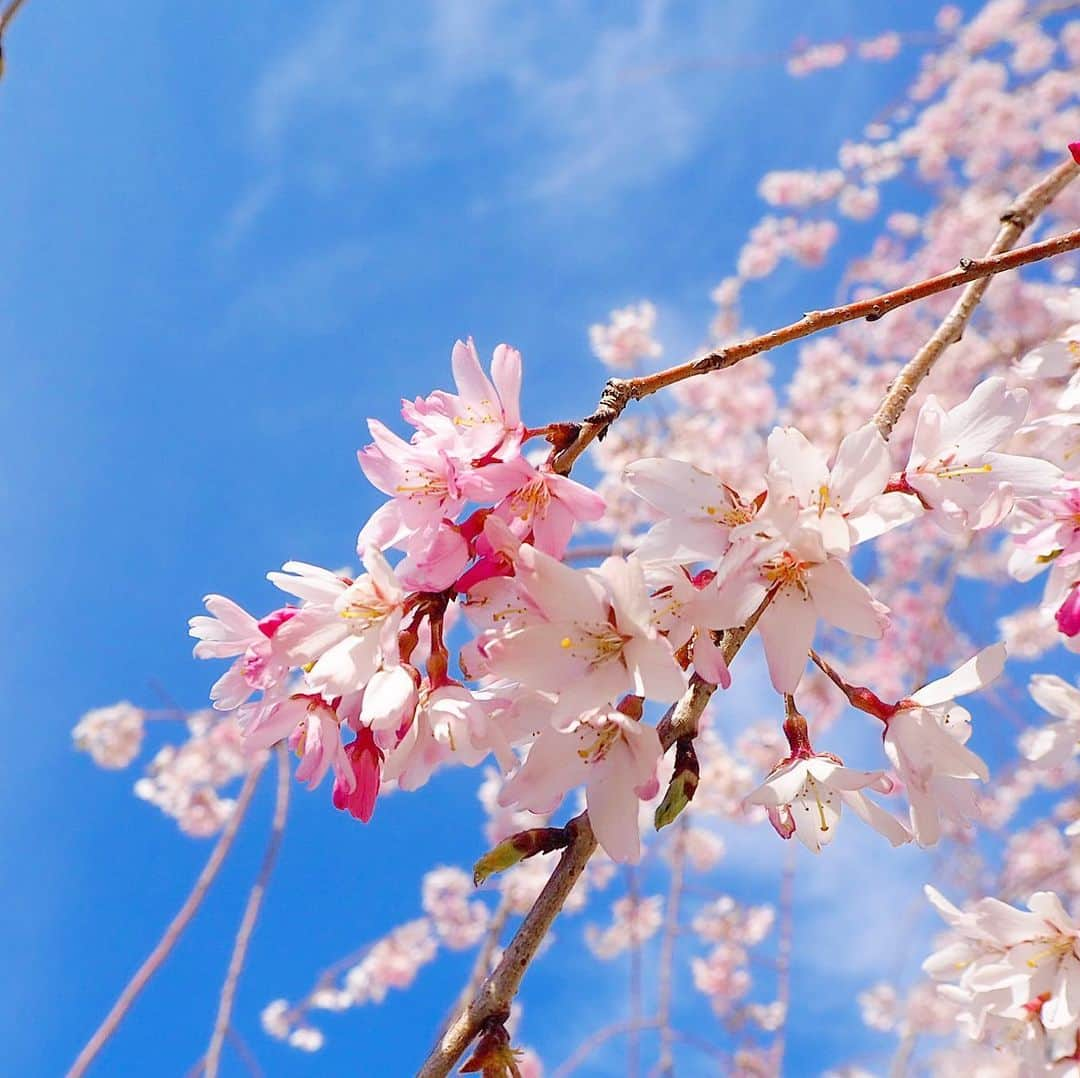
(482, 966)
(1014, 220)
(666, 1064)
(633, 1045)
(783, 956)
(243, 1050)
(8, 14)
(598, 1039)
(176, 927)
(251, 914)
(495, 996)
(619, 391)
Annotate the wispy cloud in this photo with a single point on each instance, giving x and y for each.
(574, 102)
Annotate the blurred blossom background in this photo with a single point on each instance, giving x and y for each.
(230, 234)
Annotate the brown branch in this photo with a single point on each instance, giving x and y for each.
(597, 1039)
(1014, 220)
(176, 927)
(633, 1045)
(482, 966)
(498, 991)
(251, 914)
(619, 392)
(783, 956)
(9, 13)
(666, 1064)
(6, 16)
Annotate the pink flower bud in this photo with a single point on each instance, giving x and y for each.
(1068, 615)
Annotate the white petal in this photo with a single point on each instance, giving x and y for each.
(862, 469)
(787, 631)
(885, 823)
(844, 601)
(978, 671)
(613, 813)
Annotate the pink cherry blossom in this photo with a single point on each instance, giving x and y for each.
(925, 741)
(804, 796)
(111, 735)
(345, 629)
(627, 338)
(953, 466)
(613, 755)
(593, 639)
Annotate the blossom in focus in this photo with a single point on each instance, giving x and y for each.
(1002, 963)
(365, 758)
(614, 755)
(626, 338)
(485, 413)
(954, 467)
(700, 510)
(807, 584)
(925, 740)
(230, 630)
(689, 609)
(847, 504)
(591, 641)
(1047, 533)
(804, 796)
(345, 629)
(544, 507)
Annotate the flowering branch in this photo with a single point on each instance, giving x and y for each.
(619, 392)
(176, 927)
(493, 1000)
(251, 914)
(496, 994)
(1014, 220)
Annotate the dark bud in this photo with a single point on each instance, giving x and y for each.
(519, 847)
(683, 785)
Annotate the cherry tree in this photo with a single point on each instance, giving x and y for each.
(561, 605)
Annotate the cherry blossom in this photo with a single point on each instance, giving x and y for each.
(1054, 743)
(1013, 964)
(592, 637)
(112, 735)
(953, 467)
(614, 755)
(925, 740)
(627, 337)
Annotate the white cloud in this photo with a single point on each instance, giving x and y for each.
(573, 102)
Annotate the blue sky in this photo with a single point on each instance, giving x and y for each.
(232, 232)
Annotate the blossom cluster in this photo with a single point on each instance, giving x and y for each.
(562, 661)
(474, 634)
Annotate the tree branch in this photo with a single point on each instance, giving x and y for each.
(8, 14)
(1014, 220)
(619, 392)
(665, 1066)
(176, 927)
(498, 991)
(251, 915)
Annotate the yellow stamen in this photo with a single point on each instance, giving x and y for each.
(959, 473)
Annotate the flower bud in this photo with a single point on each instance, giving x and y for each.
(683, 785)
(517, 848)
